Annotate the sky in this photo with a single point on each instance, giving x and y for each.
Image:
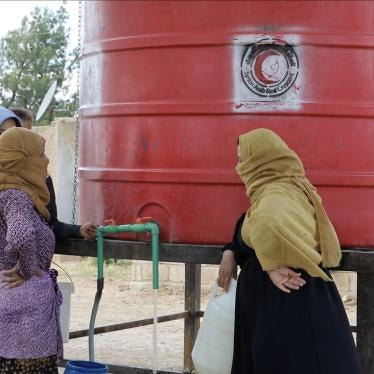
(12, 13)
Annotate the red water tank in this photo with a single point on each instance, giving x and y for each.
(167, 87)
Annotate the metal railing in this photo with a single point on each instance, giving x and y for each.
(355, 259)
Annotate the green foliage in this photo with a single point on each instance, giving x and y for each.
(34, 55)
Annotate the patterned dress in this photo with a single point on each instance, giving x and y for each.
(29, 314)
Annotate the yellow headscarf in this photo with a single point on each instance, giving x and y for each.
(22, 165)
(286, 224)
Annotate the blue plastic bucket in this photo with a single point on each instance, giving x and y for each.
(79, 367)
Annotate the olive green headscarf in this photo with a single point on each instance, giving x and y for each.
(286, 224)
(23, 165)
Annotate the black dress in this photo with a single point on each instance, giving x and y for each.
(305, 332)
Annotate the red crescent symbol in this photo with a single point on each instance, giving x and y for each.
(259, 63)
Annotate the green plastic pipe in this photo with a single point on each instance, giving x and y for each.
(100, 254)
(151, 227)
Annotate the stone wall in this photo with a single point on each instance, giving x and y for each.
(172, 275)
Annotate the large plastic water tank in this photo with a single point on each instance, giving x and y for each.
(167, 87)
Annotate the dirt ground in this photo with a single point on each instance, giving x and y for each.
(119, 304)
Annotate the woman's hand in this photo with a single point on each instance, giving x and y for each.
(88, 230)
(286, 279)
(227, 270)
(11, 278)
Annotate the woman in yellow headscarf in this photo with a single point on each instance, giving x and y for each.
(30, 338)
(289, 318)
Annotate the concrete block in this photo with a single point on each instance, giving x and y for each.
(176, 273)
(60, 149)
(138, 273)
(209, 275)
(127, 273)
(66, 258)
(353, 284)
(139, 286)
(146, 271)
(341, 279)
(49, 133)
(163, 272)
(133, 271)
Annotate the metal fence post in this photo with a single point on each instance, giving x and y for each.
(192, 306)
(365, 320)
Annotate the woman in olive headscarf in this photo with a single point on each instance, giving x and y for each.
(289, 317)
(30, 338)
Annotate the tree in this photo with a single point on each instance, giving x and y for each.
(34, 55)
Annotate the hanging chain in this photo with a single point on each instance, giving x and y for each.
(77, 122)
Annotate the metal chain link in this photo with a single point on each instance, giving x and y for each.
(77, 122)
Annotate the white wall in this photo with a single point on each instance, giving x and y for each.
(60, 140)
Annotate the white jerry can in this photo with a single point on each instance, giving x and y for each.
(66, 289)
(214, 346)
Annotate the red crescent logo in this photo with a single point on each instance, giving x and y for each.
(259, 66)
(269, 67)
